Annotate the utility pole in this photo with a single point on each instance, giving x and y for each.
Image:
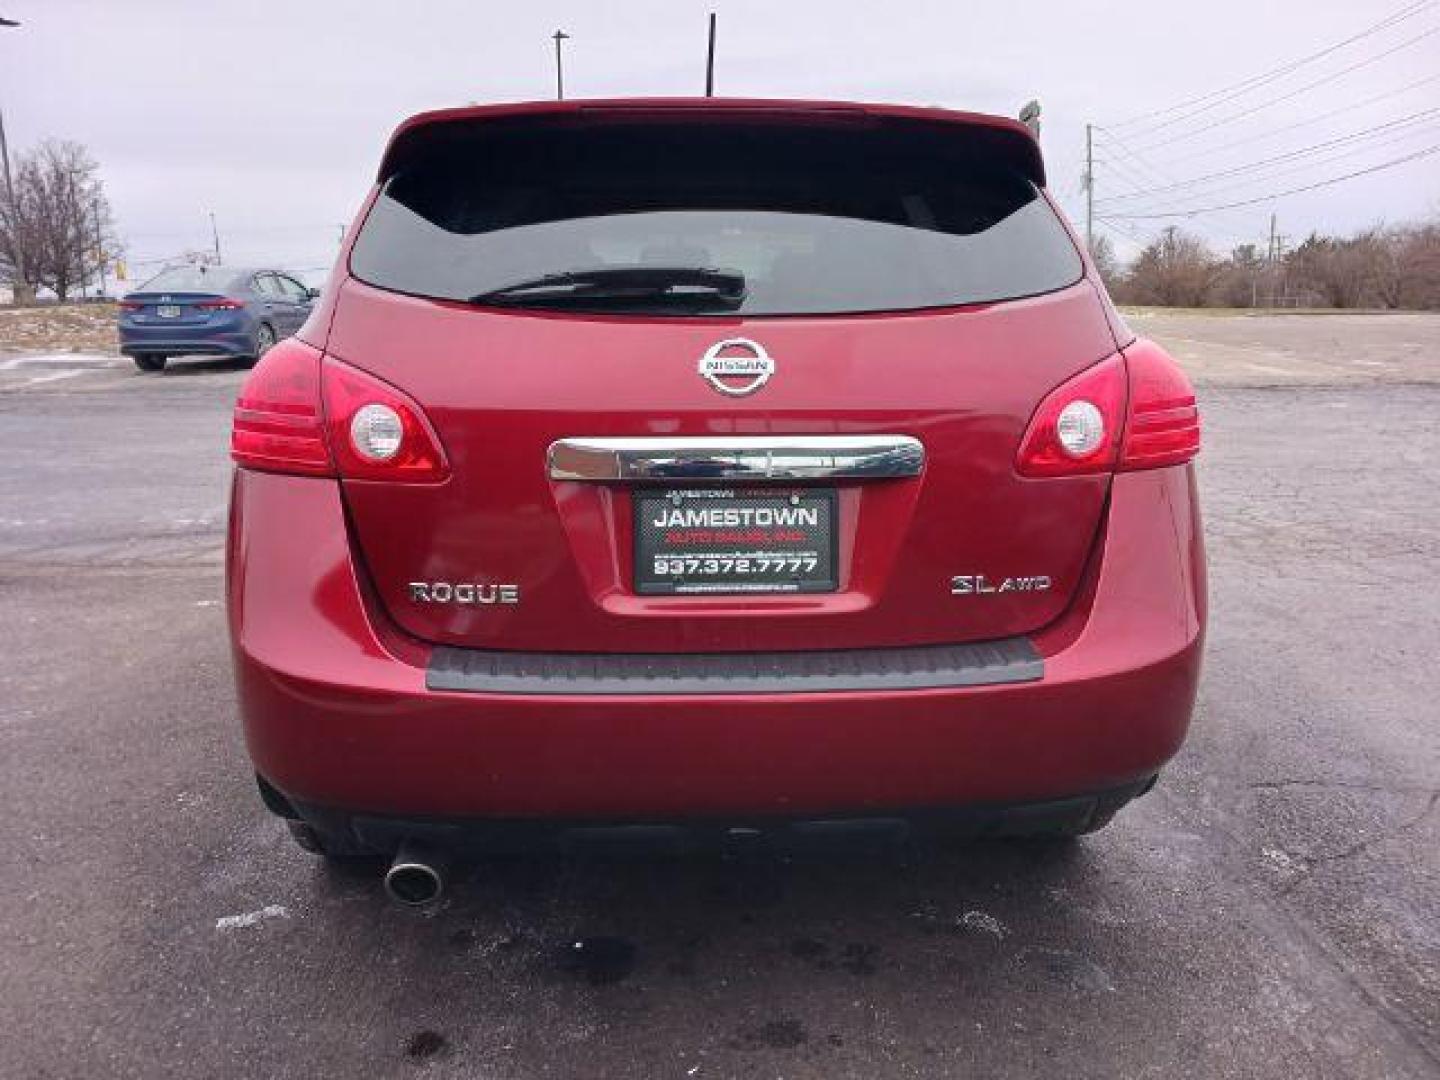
(1270, 254)
(710, 61)
(1089, 189)
(559, 35)
(99, 246)
(22, 284)
(215, 234)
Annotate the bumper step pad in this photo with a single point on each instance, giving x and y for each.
(1010, 660)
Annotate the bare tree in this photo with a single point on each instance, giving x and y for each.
(59, 224)
(1395, 267)
(1102, 254)
(1407, 266)
(1175, 270)
(1343, 272)
(1238, 278)
(1420, 258)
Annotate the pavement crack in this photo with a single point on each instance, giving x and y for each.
(1309, 863)
(1348, 785)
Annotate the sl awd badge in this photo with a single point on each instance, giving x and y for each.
(980, 585)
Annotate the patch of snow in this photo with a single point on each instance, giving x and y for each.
(55, 376)
(985, 923)
(252, 918)
(1281, 860)
(65, 360)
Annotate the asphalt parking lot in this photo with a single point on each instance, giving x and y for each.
(1271, 910)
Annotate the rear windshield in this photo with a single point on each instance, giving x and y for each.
(817, 220)
(190, 279)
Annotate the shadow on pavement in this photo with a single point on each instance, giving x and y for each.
(202, 365)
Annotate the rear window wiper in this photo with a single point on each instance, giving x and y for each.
(606, 285)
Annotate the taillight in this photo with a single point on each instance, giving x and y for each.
(131, 305)
(377, 432)
(302, 413)
(223, 304)
(1164, 426)
(278, 424)
(1132, 411)
(1076, 429)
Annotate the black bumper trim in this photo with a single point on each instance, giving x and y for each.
(927, 667)
(835, 830)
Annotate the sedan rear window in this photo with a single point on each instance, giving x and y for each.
(191, 279)
(815, 219)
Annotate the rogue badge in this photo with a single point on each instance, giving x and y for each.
(463, 592)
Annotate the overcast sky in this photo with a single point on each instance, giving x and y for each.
(273, 115)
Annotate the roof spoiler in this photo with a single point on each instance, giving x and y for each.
(1004, 138)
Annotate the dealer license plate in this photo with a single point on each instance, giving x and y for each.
(735, 540)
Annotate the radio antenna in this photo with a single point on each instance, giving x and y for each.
(710, 61)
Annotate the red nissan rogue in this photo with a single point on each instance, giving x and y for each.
(710, 470)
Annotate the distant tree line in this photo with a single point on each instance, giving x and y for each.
(1396, 267)
(56, 229)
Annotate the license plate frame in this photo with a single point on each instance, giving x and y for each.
(777, 540)
(167, 311)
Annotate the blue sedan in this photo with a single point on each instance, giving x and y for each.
(210, 311)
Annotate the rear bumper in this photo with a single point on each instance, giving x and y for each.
(734, 833)
(233, 337)
(338, 715)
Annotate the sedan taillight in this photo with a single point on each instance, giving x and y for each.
(223, 304)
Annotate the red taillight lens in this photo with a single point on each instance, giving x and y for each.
(222, 304)
(378, 432)
(1164, 426)
(1130, 412)
(131, 305)
(278, 424)
(302, 413)
(1076, 430)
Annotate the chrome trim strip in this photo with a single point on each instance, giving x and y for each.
(754, 458)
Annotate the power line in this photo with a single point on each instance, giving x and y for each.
(1363, 133)
(1244, 86)
(1192, 211)
(1232, 221)
(1122, 170)
(1210, 151)
(1133, 156)
(1292, 94)
(1224, 190)
(1120, 230)
(1226, 227)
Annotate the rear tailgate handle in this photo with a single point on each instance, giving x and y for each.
(760, 458)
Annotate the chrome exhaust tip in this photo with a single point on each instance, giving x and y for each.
(417, 876)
